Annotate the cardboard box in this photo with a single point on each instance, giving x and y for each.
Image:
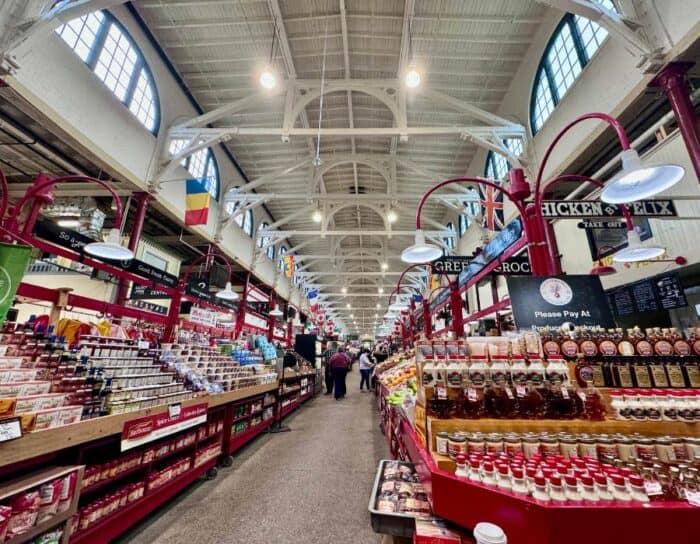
(48, 419)
(24, 389)
(14, 375)
(436, 531)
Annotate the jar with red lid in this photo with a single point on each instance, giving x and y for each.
(549, 444)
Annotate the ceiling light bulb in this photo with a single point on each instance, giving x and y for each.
(385, 266)
(317, 216)
(391, 216)
(636, 181)
(421, 251)
(348, 306)
(111, 248)
(68, 223)
(413, 78)
(268, 80)
(378, 306)
(344, 290)
(352, 316)
(635, 251)
(380, 290)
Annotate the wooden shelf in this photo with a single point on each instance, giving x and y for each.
(53, 440)
(612, 426)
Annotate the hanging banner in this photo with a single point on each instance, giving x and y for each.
(517, 265)
(289, 266)
(585, 209)
(140, 292)
(202, 316)
(552, 301)
(70, 239)
(13, 263)
(451, 265)
(148, 306)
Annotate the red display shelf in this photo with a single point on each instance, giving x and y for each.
(290, 391)
(289, 408)
(246, 416)
(241, 439)
(107, 529)
(527, 521)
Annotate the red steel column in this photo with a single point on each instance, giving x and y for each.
(290, 328)
(240, 318)
(412, 318)
(42, 197)
(456, 306)
(537, 247)
(271, 319)
(174, 313)
(553, 249)
(142, 200)
(427, 322)
(671, 80)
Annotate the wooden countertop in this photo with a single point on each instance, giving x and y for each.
(52, 440)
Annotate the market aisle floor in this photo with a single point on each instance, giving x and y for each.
(307, 486)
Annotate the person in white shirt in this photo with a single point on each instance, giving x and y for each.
(366, 366)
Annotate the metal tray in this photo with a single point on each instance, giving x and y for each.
(390, 523)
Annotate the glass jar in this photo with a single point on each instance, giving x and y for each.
(494, 443)
(531, 445)
(587, 446)
(679, 448)
(568, 445)
(549, 444)
(512, 444)
(664, 449)
(646, 448)
(606, 447)
(692, 444)
(617, 404)
(456, 444)
(473, 402)
(626, 448)
(476, 443)
(441, 443)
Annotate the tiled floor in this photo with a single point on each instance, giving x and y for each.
(307, 486)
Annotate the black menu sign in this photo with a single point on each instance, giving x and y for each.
(663, 292)
(550, 301)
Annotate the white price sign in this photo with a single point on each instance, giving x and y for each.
(10, 429)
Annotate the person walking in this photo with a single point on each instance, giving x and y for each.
(366, 366)
(331, 350)
(339, 363)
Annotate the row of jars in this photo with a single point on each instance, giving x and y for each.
(656, 404)
(601, 446)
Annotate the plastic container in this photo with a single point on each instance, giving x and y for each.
(489, 533)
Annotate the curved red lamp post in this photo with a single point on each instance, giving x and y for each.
(226, 293)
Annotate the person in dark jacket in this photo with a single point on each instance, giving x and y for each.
(331, 350)
(339, 363)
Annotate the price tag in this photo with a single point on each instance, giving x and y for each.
(144, 344)
(520, 390)
(10, 429)
(653, 488)
(564, 392)
(582, 396)
(509, 392)
(693, 497)
(174, 410)
(471, 394)
(441, 391)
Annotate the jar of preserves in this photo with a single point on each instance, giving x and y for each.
(646, 448)
(549, 444)
(441, 443)
(568, 445)
(664, 449)
(626, 448)
(587, 446)
(606, 447)
(531, 445)
(494, 443)
(692, 444)
(476, 443)
(512, 444)
(456, 444)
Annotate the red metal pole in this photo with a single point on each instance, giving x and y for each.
(412, 319)
(290, 327)
(271, 319)
(142, 200)
(671, 80)
(44, 195)
(240, 318)
(427, 322)
(456, 306)
(174, 313)
(536, 243)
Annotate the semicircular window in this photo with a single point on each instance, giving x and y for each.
(571, 47)
(105, 46)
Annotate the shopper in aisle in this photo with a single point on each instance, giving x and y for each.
(331, 350)
(366, 366)
(339, 363)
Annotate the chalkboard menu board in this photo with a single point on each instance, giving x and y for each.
(663, 292)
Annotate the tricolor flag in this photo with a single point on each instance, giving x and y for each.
(197, 202)
(289, 265)
(491, 201)
(434, 281)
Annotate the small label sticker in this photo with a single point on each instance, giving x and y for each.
(10, 429)
(582, 396)
(174, 410)
(144, 344)
(509, 392)
(471, 394)
(693, 497)
(564, 392)
(520, 390)
(441, 391)
(653, 488)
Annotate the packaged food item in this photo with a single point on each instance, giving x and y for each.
(49, 495)
(52, 537)
(25, 509)
(5, 513)
(23, 389)
(34, 403)
(15, 375)
(67, 490)
(7, 406)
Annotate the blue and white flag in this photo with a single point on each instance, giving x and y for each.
(312, 294)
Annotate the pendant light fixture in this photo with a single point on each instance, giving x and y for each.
(268, 77)
(317, 215)
(635, 251)
(412, 75)
(637, 182)
(602, 269)
(316, 161)
(276, 312)
(110, 249)
(420, 251)
(391, 216)
(227, 293)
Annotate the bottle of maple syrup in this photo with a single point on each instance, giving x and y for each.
(621, 372)
(644, 346)
(681, 347)
(663, 345)
(658, 369)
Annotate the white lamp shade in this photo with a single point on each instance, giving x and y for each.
(276, 312)
(420, 252)
(227, 293)
(635, 251)
(637, 182)
(110, 249)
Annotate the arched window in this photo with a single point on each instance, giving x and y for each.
(295, 279)
(450, 241)
(247, 225)
(264, 240)
(283, 252)
(568, 51)
(202, 164)
(472, 209)
(103, 44)
(496, 164)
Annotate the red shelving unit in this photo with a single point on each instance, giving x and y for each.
(237, 441)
